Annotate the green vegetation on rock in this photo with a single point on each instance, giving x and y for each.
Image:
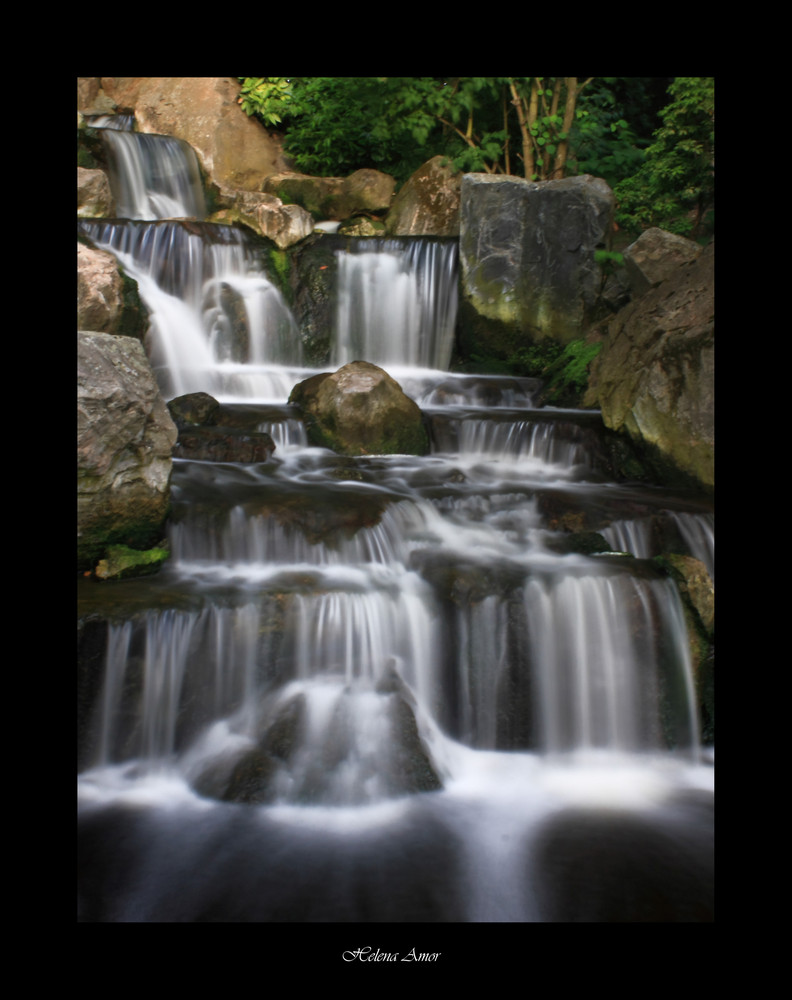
(122, 561)
(566, 379)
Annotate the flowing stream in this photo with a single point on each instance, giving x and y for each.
(379, 689)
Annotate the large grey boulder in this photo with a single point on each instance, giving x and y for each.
(124, 440)
(428, 203)
(527, 251)
(654, 378)
(360, 410)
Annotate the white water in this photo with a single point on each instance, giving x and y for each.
(217, 323)
(380, 684)
(156, 176)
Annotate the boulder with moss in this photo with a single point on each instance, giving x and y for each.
(124, 441)
(360, 410)
(654, 379)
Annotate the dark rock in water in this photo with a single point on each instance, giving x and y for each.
(194, 409)
(583, 542)
(360, 410)
(223, 444)
(203, 435)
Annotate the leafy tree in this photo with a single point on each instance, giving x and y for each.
(674, 189)
(539, 127)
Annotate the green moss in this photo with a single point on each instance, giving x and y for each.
(281, 266)
(567, 377)
(123, 561)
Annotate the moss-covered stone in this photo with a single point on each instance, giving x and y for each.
(122, 561)
(360, 410)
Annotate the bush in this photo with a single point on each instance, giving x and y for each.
(674, 189)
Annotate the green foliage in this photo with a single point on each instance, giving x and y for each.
(674, 188)
(534, 360)
(566, 379)
(335, 125)
(608, 260)
(267, 97)
(604, 143)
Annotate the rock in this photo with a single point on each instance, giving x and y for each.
(94, 198)
(107, 300)
(527, 254)
(204, 437)
(195, 409)
(654, 256)
(694, 581)
(285, 225)
(334, 197)
(124, 441)
(362, 225)
(428, 203)
(654, 377)
(360, 410)
(123, 561)
(223, 444)
(234, 150)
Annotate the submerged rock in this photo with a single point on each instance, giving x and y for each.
(360, 410)
(203, 435)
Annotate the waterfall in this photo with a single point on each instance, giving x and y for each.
(381, 688)
(397, 304)
(154, 176)
(217, 323)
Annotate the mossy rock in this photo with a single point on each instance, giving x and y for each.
(360, 410)
(122, 561)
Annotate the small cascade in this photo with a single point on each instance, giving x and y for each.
(384, 688)
(691, 534)
(217, 323)
(153, 176)
(591, 694)
(397, 304)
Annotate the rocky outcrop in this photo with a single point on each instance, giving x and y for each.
(94, 198)
(234, 150)
(428, 204)
(360, 410)
(527, 256)
(205, 436)
(334, 197)
(266, 214)
(124, 441)
(654, 256)
(107, 300)
(654, 378)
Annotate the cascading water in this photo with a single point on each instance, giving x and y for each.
(377, 689)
